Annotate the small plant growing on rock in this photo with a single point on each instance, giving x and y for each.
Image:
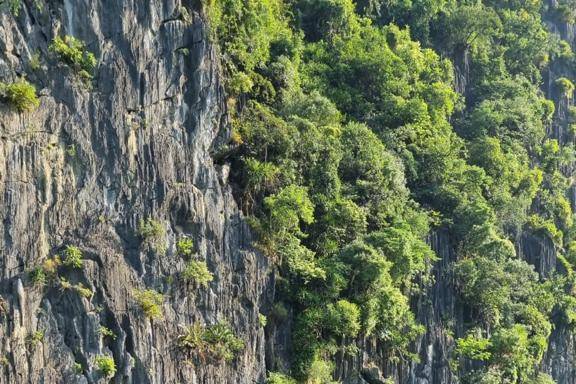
(106, 365)
(262, 320)
(13, 6)
(197, 272)
(279, 378)
(65, 285)
(38, 276)
(20, 94)
(565, 86)
(73, 257)
(51, 265)
(185, 247)
(107, 332)
(77, 367)
(153, 233)
(34, 338)
(217, 342)
(150, 302)
(35, 62)
(73, 53)
(83, 291)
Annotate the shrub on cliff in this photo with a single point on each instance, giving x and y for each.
(73, 257)
(197, 272)
(106, 365)
(20, 95)
(150, 302)
(73, 53)
(217, 342)
(153, 233)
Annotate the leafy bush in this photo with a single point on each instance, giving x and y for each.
(153, 233)
(565, 86)
(20, 94)
(279, 378)
(73, 257)
(197, 272)
(107, 332)
(73, 52)
(65, 284)
(77, 368)
(51, 265)
(12, 5)
(106, 365)
(344, 132)
(150, 302)
(343, 318)
(34, 338)
(83, 291)
(473, 347)
(217, 342)
(185, 247)
(262, 320)
(545, 227)
(37, 276)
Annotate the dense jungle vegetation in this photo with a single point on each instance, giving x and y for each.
(353, 139)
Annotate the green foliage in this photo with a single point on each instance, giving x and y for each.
(150, 303)
(83, 291)
(279, 378)
(77, 367)
(346, 149)
(217, 342)
(320, 372)
(185, 247)
(197, 272)
(21, 95)
(288, 208)
(262, 320)
(35, 61)
(106, 365)
(34, 338)
(73, 53)
(153, 233)
(38, 276)
(107, 332)
(326, 19)
(473, 347)
(247, 32)
(343, 318)
(565, 11)
(13, 6)
(72, 257)
(79, 288)
(545, 227)
(65, 285)
(565, 86)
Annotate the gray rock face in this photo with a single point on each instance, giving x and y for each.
(89, 164)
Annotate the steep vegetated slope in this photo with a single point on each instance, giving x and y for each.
(305, 191)
(373, 140)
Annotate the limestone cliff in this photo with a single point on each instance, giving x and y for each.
(92, 162)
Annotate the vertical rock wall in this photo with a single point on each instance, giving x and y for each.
(89, 164)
